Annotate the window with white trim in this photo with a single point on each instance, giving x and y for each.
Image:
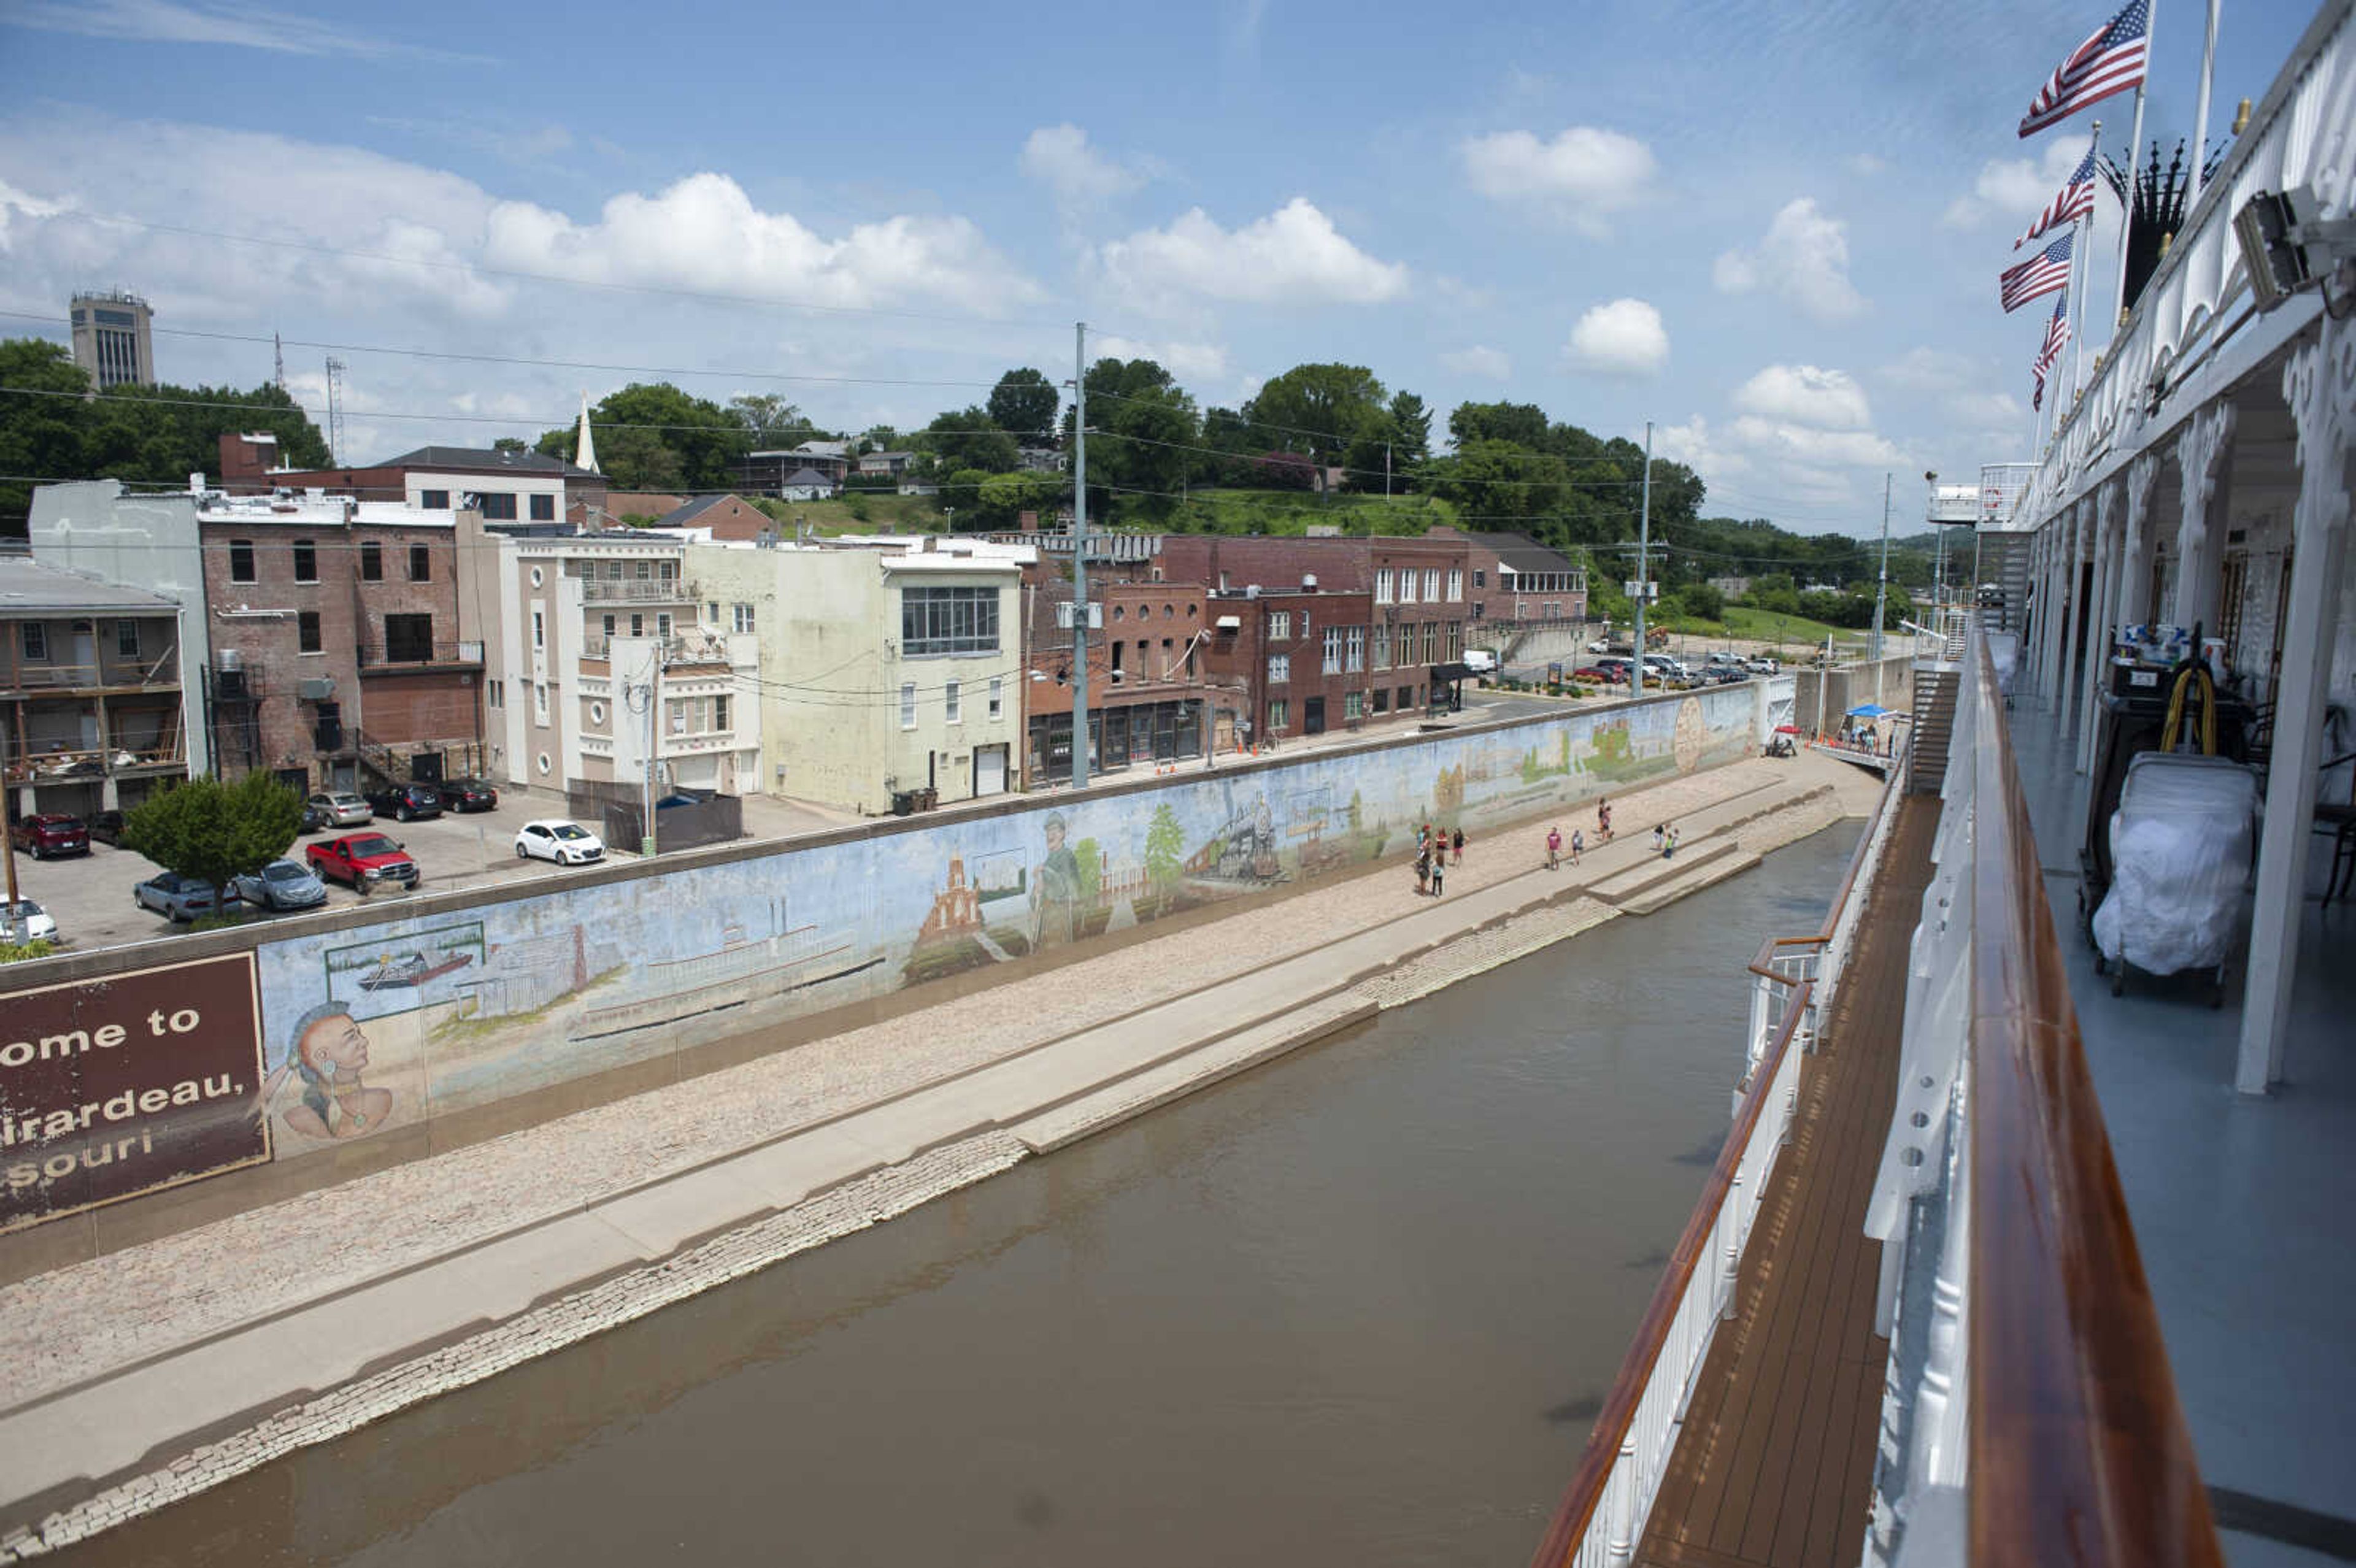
(1332, 650)
(1455, 583)
(741, 616)
(1431, 585)
(1353, 655)
(997, 698)
(955, 706)
(1279, 669)
(1406, 585)
(907, 705)
(1279, 716)
(1382, 647)
(935, 621)
(1279, 625)
(1383, 585)
(540, 702)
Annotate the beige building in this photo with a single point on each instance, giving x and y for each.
(887, 665)
(114, 338)
(603, 655)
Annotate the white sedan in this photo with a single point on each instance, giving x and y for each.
(555, 839)
(37, 923)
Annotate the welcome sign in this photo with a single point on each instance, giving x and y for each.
(113, 1089)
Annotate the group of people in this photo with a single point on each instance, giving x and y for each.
(1432, 853)
(1579, 838)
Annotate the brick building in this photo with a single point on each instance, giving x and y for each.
(1307, 661)
(1516, 579)
(335, 653)
(723, 517)
(1148, 683)
(91, 701)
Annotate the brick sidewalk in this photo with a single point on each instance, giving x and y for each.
(185, 1287)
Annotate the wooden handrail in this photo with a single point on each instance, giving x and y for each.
(2078, 1447)
(1611, 1423)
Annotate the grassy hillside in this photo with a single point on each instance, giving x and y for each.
(1294, 512)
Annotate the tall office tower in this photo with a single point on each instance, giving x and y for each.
(112, 338)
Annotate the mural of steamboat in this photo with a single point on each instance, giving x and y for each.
(743, 969)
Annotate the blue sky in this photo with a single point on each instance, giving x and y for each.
(1773, 229)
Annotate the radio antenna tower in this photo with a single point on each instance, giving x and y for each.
(278, 355)
(335, 409)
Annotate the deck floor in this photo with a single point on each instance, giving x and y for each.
(1775, 1463)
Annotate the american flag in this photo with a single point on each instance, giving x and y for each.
(2076, 201)
(2111, 61)
(2057, 332)
(2042, 274)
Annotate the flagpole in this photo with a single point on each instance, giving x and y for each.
(2078, 293)
(2134, 153)
(2200, 109)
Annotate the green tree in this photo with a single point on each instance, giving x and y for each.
(1165, 851)
(1023, 403)
(509, 444)
(214, 831)
(1321, 408)
(40, 437)
(1524, 424)
(770, 422)
(706, 442)
(1702, 601)
(969, 438)
(633, 460)
(1501, 480)
(1004, 498)
(962, 493)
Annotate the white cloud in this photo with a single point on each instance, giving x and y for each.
(1692, 445)
(2015, 188)
(1182, 359)
(1294, 255)
(1866, 165)
(1059, 158)
(1490, 364)
(1803, 258)
(1994, 412)
(1622, 338)
(1927, 369)
(704, 234)
(237, 26)
(1584, 174)
(1804, 395)
(1815, 448)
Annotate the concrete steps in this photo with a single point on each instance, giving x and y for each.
(1653, 871)
(1691, 880)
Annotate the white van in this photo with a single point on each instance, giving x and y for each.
(1481, 661)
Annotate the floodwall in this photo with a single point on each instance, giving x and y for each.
(369, 1025)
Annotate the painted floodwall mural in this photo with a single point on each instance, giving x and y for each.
(369, 1029)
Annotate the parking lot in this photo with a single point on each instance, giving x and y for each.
(91, 899)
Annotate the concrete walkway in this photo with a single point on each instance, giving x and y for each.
(204, 1334)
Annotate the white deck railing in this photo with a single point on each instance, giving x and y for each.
(1604, 1512)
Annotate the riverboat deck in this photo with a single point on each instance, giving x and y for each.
(1773, 1464)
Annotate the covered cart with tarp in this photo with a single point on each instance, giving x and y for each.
(2179, 849)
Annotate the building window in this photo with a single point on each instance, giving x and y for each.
(642, 571)
(638, 622)
(609, 628)
(1455, 583)
(1382, 700)
(306, 631)
(1431, 585)
(1279, 669)
(948, 621)
(1279, 716)
(1279, 625)
(241, 561)
(711, 611)
(371, 562)
(421, 563)
(663, 624)
(497, 509)
(539, 703)
(668, 571)
(1479, 577)
(1354, 657)
(720, 712)
(36, 641)
(126, 638)
(434, 500)
(1353, 705)
(408, 639)
(1383, 585)
(997, 698)
(742, 617)
(543, 508)
(306, 561)
(1332, 650)
(1406, 697)
(1382, 647)
(539, 631)
(1455, 639)
(955, 704)
(907, 705)
(495, 694)
(1406, 585)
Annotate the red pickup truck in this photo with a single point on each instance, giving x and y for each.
(364, 861)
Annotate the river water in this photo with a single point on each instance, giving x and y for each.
(1357, 1308)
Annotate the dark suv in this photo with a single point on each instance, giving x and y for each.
(406, 803)
(50, 834)
(469, 795)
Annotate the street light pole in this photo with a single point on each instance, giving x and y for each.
(1643, 558)
(1881, 588)
(1081, 556)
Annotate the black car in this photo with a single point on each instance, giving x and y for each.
(406, 803)
(469, 794)
(106, 827)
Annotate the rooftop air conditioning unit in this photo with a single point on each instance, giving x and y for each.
(1251, 590)
(1309, 582)
(228, 660)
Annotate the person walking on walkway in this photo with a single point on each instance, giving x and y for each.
(1460, 845)
(1439, 873)
(1578, 843)
(1603, 820)
(1669, 846)
(1554, 847)
(1660, 837)
(1422, 870)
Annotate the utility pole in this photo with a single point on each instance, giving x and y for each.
(1939, 581)
(1387, 471)
(653, 690)
(1081, 556)
(1881, 588)
(1644, 561)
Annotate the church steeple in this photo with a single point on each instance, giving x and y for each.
(584, 453)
